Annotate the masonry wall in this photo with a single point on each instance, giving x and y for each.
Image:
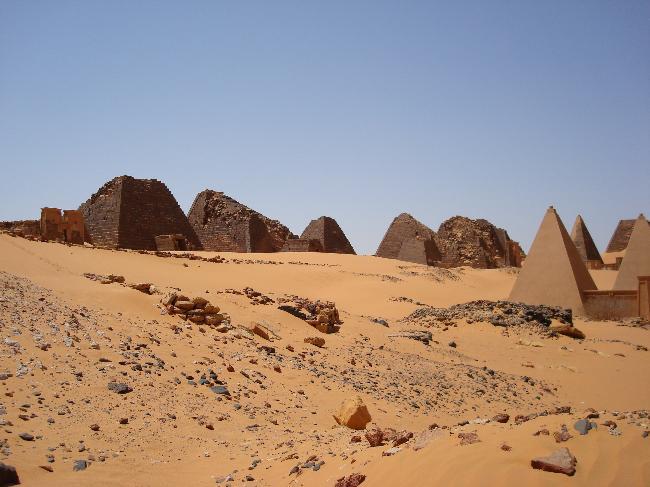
(611, 305)
(102, 215)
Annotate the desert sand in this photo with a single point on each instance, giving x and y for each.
(66, 337)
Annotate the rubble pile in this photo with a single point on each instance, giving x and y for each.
(322, 315)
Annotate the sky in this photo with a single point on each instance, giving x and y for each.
(358, 110)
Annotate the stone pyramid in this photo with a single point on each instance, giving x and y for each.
(637, 257)
(418, 251)
(329, 234)
(553, 273)
(225, 225)
(405, 228)
(129, 213)
(584, 243)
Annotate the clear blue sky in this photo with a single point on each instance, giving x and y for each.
(358, 110)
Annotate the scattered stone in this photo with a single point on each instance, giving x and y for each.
(353, 480)
(562, 435)
(568, 330)
(560, 461)
(94, 427)
(26, 436)
(501, 418)
(391, 451)
(79, 465)
(119, 387)
(583, 426)
(316, 341)
(468, 438)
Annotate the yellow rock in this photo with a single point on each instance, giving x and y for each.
(353, 413)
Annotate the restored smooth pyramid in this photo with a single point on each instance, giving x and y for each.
(583, 242)
(637, 257)
(553, 273)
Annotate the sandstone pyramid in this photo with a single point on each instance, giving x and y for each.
(637, 257)
(405, 228)
(129, 213)
(418, 251)
(553, 273)
(621, 236)
(584, 243)
(223, 224)
(329, 234)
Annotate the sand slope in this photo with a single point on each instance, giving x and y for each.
(282, 418)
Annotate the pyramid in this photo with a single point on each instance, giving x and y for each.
(418, 251)
(406, 228)
(225, 225)
(621, 236)
(637, 257)
(129, 213)
(553, 273)
(329, 234)
(584, 243)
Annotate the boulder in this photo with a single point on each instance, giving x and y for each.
(316, 341)
(214, 319)
(568, 330)
(184, 305)
(260, 331)
(353, 413)
(8, 475)
(200, 302)
(560, 461)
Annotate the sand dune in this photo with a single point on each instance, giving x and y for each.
(183, 434)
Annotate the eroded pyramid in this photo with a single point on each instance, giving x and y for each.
(553, 273)
(584, 243)
(637, 256)
(406, 230)
(223, 224)
(129, 213)
(329, 234)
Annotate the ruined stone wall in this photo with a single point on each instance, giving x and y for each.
(302, 245)
(611, 305)
(418, 251)
(26, 228)
(102, 215)
(223, 224)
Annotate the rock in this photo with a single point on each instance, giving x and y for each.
(119, 387)
(200, 302)
(353, 480)
(452, 344)
(583, 426)
(375, 437)
(26, 436)
(391, 451)
(560, 461)
(8, 475)
(353, 413)
(424, 437)
(468, 438)
(79, 465)
(501, 418)
(221, 390)
(562, 435)
(316, 341)
(568, 330)
(419, 335)
(260, 331)
(402, 437)
(169, 299)
(124, 420)
(184, 305)
(292, 310)
(94, 427)
(143, 287)
(214, 319)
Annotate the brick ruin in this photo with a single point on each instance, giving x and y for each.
(225, 225)
(22, 228)
(459, 241)
(130, 213)
(66, 226)
(621, 236)
(329, 235)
